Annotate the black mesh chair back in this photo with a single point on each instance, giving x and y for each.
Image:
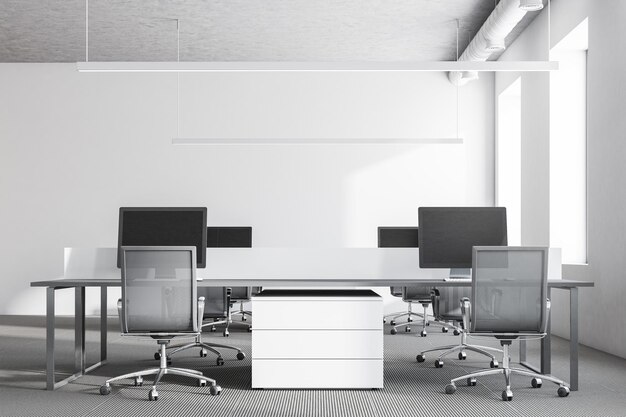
(447, 306)
(215, 301)
(418, 293)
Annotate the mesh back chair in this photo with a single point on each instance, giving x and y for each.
(509, 302)
(233, 237)
(405, 237)
(216, 305)
(159, 301)
(421, 294)
(397, 292)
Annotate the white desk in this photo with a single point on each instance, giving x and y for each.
(268, 267)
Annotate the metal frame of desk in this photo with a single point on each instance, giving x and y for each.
(80, 285)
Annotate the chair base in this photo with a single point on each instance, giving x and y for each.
(205, 347)
(425, 319)
(461, 348)
(228, 321)
(159, 372)
(507, 371)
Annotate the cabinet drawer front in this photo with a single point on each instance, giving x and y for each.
(317, 373)
(322, 314)
(317, 344)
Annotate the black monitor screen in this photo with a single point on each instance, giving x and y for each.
(163, 226)
(229, 237)
(447, 234)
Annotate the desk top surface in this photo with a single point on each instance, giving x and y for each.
(279, 267)
(285, 283)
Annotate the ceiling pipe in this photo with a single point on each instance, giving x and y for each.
(490, 37)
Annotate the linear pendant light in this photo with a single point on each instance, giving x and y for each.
(315, 141)
(281, 66)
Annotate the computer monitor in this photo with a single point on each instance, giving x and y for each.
(163, 226)
(447, 234)
(229, 237)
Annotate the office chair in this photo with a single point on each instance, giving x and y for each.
(509, 302)
(397, 292)
(446, 309)
(216, 306)
(421, 294)
(404, 237)
(233, 237)
(159, 301)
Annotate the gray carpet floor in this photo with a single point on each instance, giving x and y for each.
(411, 388)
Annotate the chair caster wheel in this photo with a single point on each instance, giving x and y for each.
(410, 319)
(219, 361)
(241, 356)
(243, 318)
(427, 323)
(507, 395)
(438, 363)
(462, 356)
(213, 329)
(105, 390)
(536, 382)
(471, 382)
(225, 333)
(420, 358)
(215, 390)
(444, 330)
(563, 391)
(157, 356)
(450, 389)
(203, 353)
(384, 321)
(494, 364)
(153, 395)
(393, 331)
(456, 332)
(423, 333)
(392, 322)
(407, 329)
(249, 329)
(138, 381)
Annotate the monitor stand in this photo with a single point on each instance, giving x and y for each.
(460, 273)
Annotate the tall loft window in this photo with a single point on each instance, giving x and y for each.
(568, 146)
(508, 159)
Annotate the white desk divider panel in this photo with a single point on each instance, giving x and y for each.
(334, 341)
(555, 266)
(90, 262)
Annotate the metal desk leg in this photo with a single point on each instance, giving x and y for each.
(50, 325)
(546, 346)
(79, 330)
(573, 339)
(103, 323)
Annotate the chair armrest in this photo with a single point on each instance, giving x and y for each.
(466, 308)
(119, 313)
(544, 325)
(434, 298)
(200, 312)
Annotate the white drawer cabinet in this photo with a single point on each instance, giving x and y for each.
(317, 339)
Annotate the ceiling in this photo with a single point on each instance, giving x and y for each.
(240, 30)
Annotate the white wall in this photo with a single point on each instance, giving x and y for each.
(75, 147)
(602, 308)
